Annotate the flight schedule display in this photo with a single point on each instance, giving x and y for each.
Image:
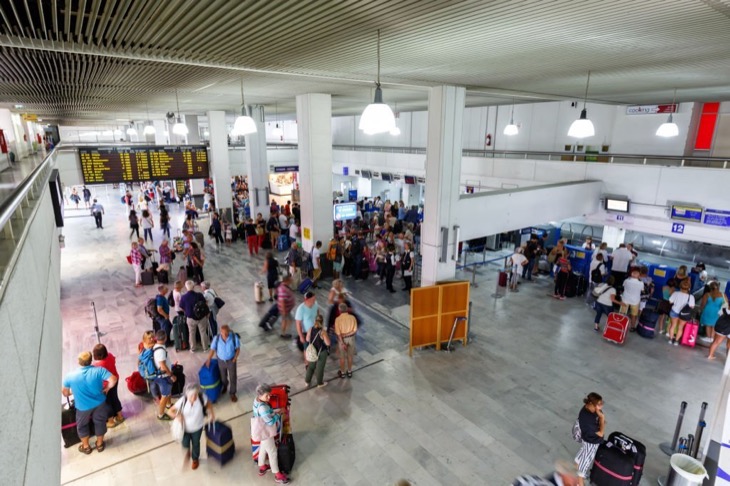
(109, 165)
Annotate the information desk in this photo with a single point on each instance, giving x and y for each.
(109, 165)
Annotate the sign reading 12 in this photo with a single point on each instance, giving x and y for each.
(678, 228)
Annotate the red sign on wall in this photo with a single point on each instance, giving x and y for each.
(3, 143)
(706, 128)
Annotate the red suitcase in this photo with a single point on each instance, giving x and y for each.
(689, 334)
(502, 279)
(616, 328)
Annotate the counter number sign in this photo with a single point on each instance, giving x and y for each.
(678, 228)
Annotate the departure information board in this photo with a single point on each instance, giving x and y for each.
(109, 165)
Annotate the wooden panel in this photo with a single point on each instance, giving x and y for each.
(424, 302)
(455, 297)
(424, 331)
(447, 322)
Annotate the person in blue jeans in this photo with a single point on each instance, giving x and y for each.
(163, 311)
(605, 298)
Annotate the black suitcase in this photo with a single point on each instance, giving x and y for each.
(571, 285)
(180, 333)
(155, 266)
(647, 323)
(163, 277)
(267, 322)
(581, 285)
(286, 453)
(178, 385)
(619, 461)
(68, 425)
(147, 277)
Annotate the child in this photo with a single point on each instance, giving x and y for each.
(228, 234)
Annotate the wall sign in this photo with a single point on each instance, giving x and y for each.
(286, 168)
(717, 217)
(345, 171)
(678, 228)
(688, 213)
(651, 109)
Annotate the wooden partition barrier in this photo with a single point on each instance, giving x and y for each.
(433, 312)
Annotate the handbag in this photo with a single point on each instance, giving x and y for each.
(577, 435)
(177, 429)
(219, 302)
(259, 230)
(129, 259)
(311, 353)
(260, 431)
(686, 313)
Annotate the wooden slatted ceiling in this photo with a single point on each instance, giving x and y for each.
(637, 51)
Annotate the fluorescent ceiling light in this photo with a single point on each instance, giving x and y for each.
(511, 129)
(131, 131)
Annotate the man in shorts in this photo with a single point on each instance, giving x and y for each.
(161, 386)
(631, 297)
(304, 317)
(87, 386)
(345, 329)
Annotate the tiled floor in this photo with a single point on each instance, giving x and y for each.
(501, 407)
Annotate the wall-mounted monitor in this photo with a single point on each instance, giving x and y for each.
(409, 179)
(616, 205)
(345, 211)
(366, 174)
(686, 212)
(386, 176)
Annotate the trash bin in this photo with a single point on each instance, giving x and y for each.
(685, 471)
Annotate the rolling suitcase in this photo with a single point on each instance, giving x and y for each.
(210, 380)
(178, 385)
(647, 323)
(689, 334)
(502, 280)
(180, 333)
(619, 461)
(581, 285)
(147, 277)
(267, 322)
(258, 292)
(305, 286)
(571, 285)
(616, 328)
(136, 384)
(282, 243)
(68, 424)
(163, 277)
(219, 442)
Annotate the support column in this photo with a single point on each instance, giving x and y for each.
(160, 129)
(257, 165)
(443, 170)
(220, 165)
(191, 121)
(314, 131)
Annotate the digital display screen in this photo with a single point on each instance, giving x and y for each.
(618, 205)
(345, 212)
(687, 213)
(109, 165)
(366, 174)
(410, 179)
(386, 176)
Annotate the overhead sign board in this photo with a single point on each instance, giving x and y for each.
(717, 217)
(651, 109)
(687, 213)
(30, 118)
(345, 212)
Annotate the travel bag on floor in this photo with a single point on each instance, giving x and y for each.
(219, 442)
(68, 424)
(147, 277)
(258, 292)
(282, 243)
(163, 277)
(136, 384)
(180, 333)
(267, 322)
(210, 380)
(286, 453)
(305, 286)
(502, 280)
(689, 334)
(616, 328)
(647, 323)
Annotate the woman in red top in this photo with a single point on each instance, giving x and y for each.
(562, 275)
(106, 360)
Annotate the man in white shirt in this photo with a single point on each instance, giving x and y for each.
(631, 298)
(293, 231)
(588, 245)
(518, 260)
(621, 259)
(316, 264)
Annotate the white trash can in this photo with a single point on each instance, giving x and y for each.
(685, 471)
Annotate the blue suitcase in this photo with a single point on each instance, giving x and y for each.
(210, 380)
(219, 442)
(305, 285)
(282, 244)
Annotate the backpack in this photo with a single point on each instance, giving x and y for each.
(596, 276)
(146, 364)
(171, 298)
(151, 308)
(577, 436)
(200, 309)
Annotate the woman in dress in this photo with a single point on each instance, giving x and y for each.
(711, 304)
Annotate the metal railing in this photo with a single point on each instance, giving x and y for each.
(17, 212)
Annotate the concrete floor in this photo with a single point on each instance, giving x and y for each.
(482, 415)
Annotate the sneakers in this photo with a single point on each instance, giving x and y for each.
(281, 478)
(706, 339)
(263, 469)
(675, 342)
(349, 374)
(340, 374)
(322, 385)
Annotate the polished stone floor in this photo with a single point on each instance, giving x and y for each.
(500, 407)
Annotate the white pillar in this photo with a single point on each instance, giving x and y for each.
(613, 236)
(443, 170)
(160, 129)
(314, 132)
(219, 163)
(191, 121)
(257, 165)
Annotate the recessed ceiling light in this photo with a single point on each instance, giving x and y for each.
(17, 107)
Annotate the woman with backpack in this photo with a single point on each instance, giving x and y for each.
(194, 411)
(605, 295)
(682, 305)
(319, 341)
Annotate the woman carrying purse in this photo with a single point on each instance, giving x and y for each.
(191, 414)
(264, 424)
(319, 341)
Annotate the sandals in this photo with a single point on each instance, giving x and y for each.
(85, 450)
(99, 447)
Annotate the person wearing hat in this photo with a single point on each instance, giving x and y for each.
(305, 316)
(565, 474)
(89, 385)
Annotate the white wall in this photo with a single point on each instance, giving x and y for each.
(30, 358)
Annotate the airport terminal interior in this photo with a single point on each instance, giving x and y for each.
(475, 131)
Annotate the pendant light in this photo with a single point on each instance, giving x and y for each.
(179, 128)
(244, 124)
(277, 132)
(669, 128)
(511, 129)
(583, 127)
(149, 128)
(377, 116)
(395, 131)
